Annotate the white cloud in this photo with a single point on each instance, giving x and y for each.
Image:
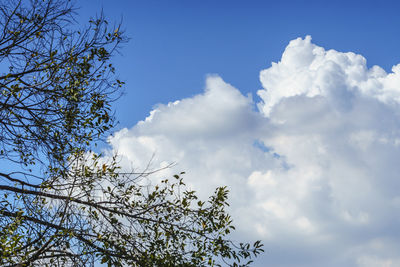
(313, 172)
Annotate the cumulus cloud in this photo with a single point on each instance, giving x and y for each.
(312, 166)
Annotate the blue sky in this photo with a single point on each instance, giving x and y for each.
(175, 44)
(310, 156)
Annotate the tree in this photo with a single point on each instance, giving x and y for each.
(63, 205)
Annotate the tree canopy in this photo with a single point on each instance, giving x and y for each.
(62, 204)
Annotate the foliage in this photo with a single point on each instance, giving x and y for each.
(67, 206)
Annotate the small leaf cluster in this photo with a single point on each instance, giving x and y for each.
(57, 83)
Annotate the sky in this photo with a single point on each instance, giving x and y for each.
(294, 105)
